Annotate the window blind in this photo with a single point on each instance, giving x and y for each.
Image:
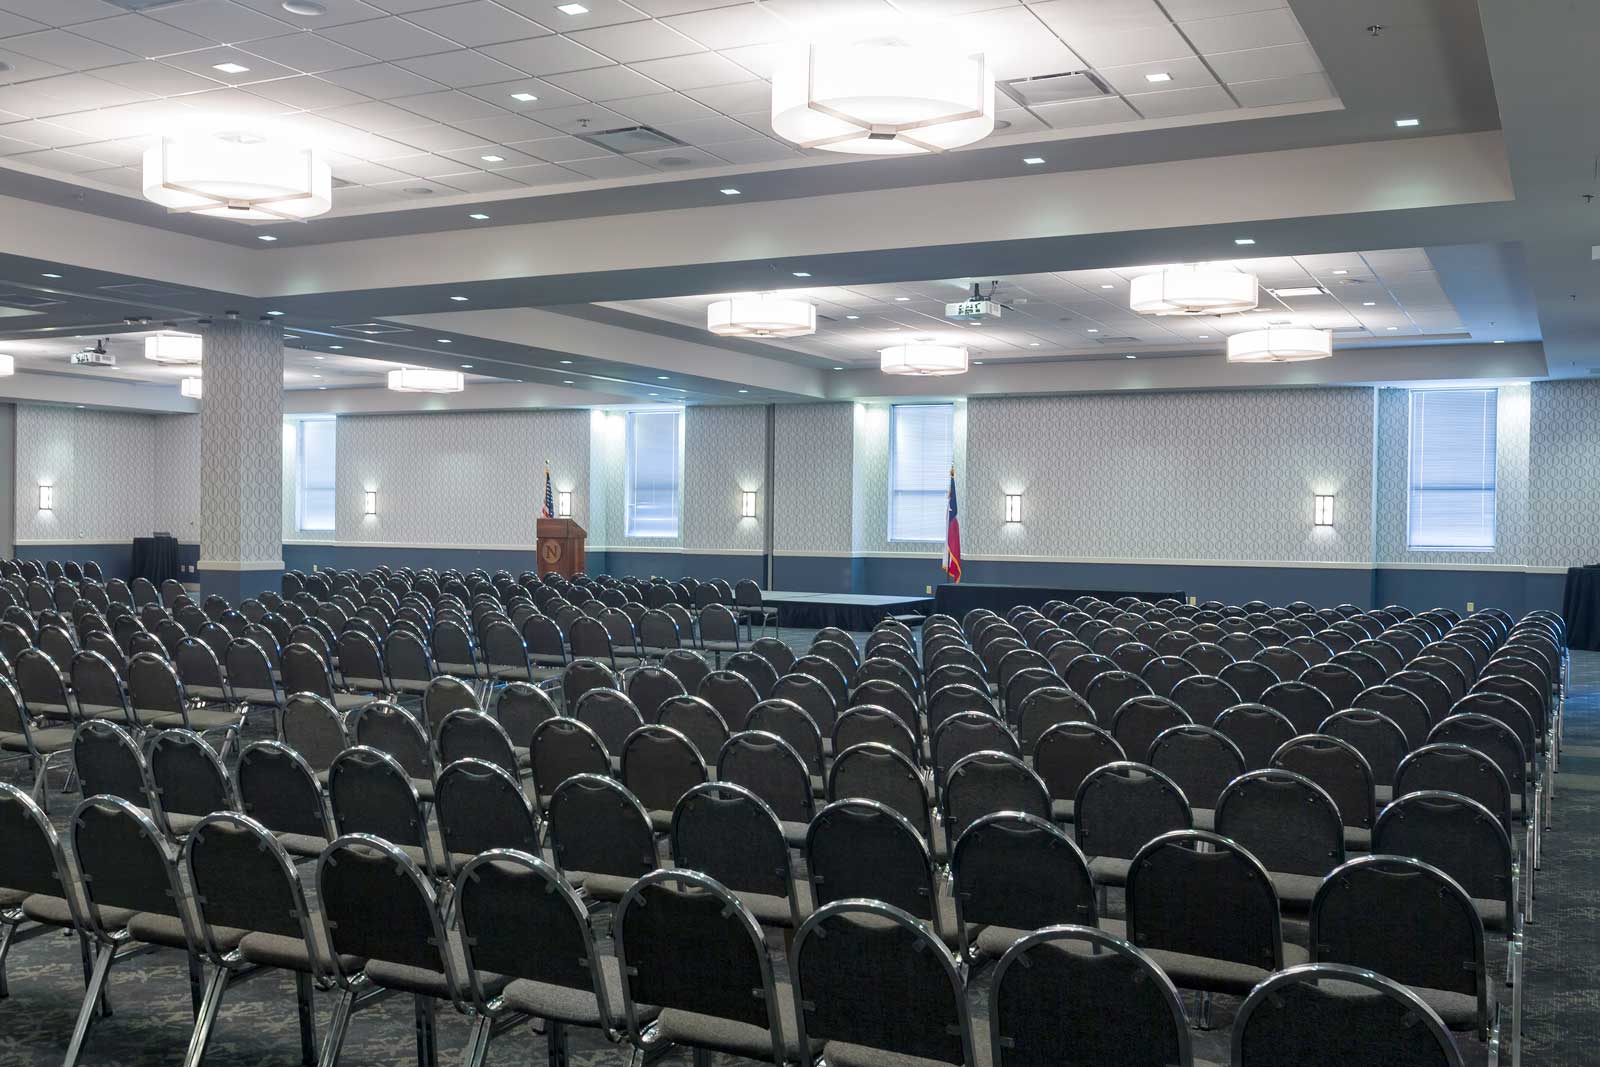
(1452, 480)
(316, 473)
(653, 451)
(921, 443)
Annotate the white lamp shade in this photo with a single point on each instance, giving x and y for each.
(1193, 290)
(237, 177)
(761, 315)
(174, 348)
(190, 387)
(923, 358)
(885, 91)
(1280, 344)
(8, 366)
(426, 380)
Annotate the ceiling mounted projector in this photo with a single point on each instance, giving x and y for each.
(902, 90)
(761, 315)
(1194, 289)
(237, 176)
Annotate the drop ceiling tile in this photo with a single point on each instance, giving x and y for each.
(1231, 33)
(1017, 46)
(119, 177)
(143, 121)
(1148, 45)
(59, 160)
(1070, 18)
(479, 22)
(1183, 102)
(608, 167)
(375, 116)
(226, 105)
(1299, 89)
(947, 8)
(80, 91)
(694, 72)
(630, 42)
(205, 61)
(389, 39)
(663, 8)
(381, 81)
(807, 12)
(419, 190)
(581, 117)
(370, 146)
(10, 146)
(710, 131)
(124, 153)
(479, 181)
(1258, 64)
(671, 159)
(657, 108)
(43, 134)
(221, 20)
(730, 27)
(426, 165)
(551, 149)
(62, 12)
(307, 93)
(1131, 80)
(20, 67)
(506, 129)
(1093, 112)
(1189, 10)
(758, 59)
(546, 55)
(760, 150)
(338, 12)
(69, 50)
(600, 13)
(25, 100)
(451, 106)
(473, 157)
(1017, 121)
(308, 52)
(734, 99)
(460, 68)
(606, 83)
(363, 173)
(142, 35)
(12, 25)
(437, 138)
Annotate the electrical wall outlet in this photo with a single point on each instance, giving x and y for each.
(1194, 601)
(929, 590)
(1471, 607)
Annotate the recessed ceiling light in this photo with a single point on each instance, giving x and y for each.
(1033, 161)
(730, 192)
(802, 274)
(572, 9)
(661, 377)
(1244, 240)
(1341, 272)
(478, 216)
(655, 394)
(1407, 122)
(1107, 286)
(1300, 290)
(1369, 303)
(525, 98)
(852, 316)
(1499, 342)
(744, 390)
(230, 68)
(1033, 344)
(466, 366)
(316, 375)
(568, 381)
(493, 159)
(322, 387)
(265, 237)
(1391, 327)
(459, 299)
(566, 362)
(838, 368)
(1158, 76)
(1093, 330)
(51, 275)
(1130, 355)
(275, 314)
(1205, 337)
(336, 348)
(319, 357)
(442, 340)
(901, 299)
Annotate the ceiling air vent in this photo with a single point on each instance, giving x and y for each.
(629, 140)
(1054, 88)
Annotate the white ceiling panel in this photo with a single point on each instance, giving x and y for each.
(381, 81)
(606, 83)
(1299, 89)
(546, 55)
(1257, 64)
(634, 41)
(460, 69)
(730, 27)
(1183, 102)
(389, 38)
(222, 20)
(478, 22)
(136, 33)
(1255, 29)
(696, 71)
(307, 52)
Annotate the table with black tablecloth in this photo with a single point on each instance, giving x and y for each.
(848, 611)
(962, 597)
(1580, 606)
(155, 558)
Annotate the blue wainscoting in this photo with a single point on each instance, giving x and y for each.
(1230, 584)
(237, 586)
(114, 558)
(362, 558)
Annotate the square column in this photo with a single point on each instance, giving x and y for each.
(241, 460)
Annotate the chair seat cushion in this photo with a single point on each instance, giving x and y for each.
(1061, 810)
(212, 718)
(10, 898)
(346, 701)
(291, 954)
(1357, 839)
(775, 911)
(429, 983)
(257, 696)
(181, 824)
(1219, 976)
(603, 886)
(55, 911)
(154, 928)
(1295, 891)
(727, 1035)
(562, 1004)
(48, 739)
(1205, 819)
(840, 1054)
(795, 833)
(1458, 1011)
(1109, 870)
(305, 846)
(993, 941)
(208, 692)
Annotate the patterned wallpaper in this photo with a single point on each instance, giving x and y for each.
(177, 467)
(102, 466)
(812, 500)
(725, 452)
(469, 478)
(241, 489)
(871, 480)
(1564, 461)
(1202, 475)
(1512, 426)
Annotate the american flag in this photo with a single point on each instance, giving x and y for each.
(952, 534)
(549, 509)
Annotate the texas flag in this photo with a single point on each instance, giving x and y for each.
(952, 535)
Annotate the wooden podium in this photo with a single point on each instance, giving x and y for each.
(560, 547)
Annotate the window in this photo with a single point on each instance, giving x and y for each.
(1451, 502)
(654, 444)
(921, 444)
(314, 464)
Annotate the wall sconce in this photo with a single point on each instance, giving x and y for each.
(747, 503)
(1013, 507)
(1322, 511)
(47, 497)
(564, 504)
(370, 501)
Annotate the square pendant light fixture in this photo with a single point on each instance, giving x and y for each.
(1322, 509)
(1013, 507)
(369, 502)
(747, 504)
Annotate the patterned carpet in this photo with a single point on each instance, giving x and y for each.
(258, 1025)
